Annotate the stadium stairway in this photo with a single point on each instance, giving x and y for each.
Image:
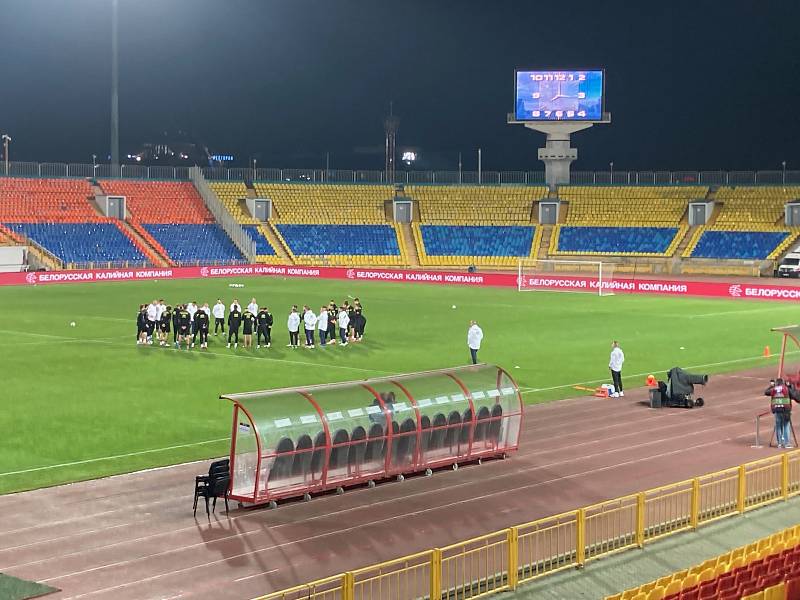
(542, 251)
(148, 246)
(406, 237)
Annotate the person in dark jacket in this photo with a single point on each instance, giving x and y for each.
(141, 325)
(175, 323)
(202, 324)
(781, 396)
(234, 323)
(248, 325)
(164, 325)
(264, 322)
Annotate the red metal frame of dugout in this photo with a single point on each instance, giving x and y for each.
(459, 452)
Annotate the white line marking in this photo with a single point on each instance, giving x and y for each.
(114, 457)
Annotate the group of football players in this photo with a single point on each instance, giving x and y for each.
(188, 322)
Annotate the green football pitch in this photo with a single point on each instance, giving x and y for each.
(86, 401)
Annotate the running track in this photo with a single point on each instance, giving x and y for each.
(134, 537)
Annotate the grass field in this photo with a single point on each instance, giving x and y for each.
(87, 401)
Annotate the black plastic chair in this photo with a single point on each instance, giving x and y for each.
(214, 485)
(338, 452)
(302, 458)
(439, 433)
(408, 441)
(375, 444)
(466, 425)
(482, 425)
(282, 467)
(497, 421)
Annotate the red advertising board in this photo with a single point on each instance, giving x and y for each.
(717, 289)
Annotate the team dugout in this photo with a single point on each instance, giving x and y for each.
(296, 441)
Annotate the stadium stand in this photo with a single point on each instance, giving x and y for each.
(80, 243)
(342, 243)
(752, 245)
(766, 569)
(24, 200)
(473, 244)
(190, 243)
(751, 208)
(640, 241)
(305, 203)
(160, 201)
(475, 205)
(232, 195)
(174, 216)
(625, 220)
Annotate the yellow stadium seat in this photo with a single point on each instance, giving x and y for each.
(657, 593)
(775, 592)
(673, 587)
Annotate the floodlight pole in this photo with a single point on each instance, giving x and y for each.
(783, 164)
(6, 142)
(114, 89)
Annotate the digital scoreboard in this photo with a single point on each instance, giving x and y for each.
(559, 95)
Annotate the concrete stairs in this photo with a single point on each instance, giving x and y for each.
(412, 253)
(543, 251)
(278, 243)
(146, 243)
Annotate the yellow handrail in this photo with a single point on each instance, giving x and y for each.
(486, 564)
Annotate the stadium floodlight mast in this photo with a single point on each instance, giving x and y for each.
(564, 102)
(783, 164)
(6, 141)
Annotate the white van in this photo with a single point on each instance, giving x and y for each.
(790, 265)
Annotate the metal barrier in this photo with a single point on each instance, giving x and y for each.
(501, 560)
(138, 171)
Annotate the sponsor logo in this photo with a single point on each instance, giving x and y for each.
(30, 277)
(351, 273)
(203, 271)
(735, 290)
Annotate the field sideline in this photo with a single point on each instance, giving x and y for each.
(85, 402)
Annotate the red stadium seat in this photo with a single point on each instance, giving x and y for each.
(160, 201)
(690, 594)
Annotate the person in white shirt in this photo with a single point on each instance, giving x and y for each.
(615, 365)
(152, 318)
(344, 323)
(160, 309)
(310, 321)
(474, 338)
(293, 324)
(252, 308)
(235, 305)
(322, 325)
(219, 316)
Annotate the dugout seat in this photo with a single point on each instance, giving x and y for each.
(425, 433)
(375, 449)
(439, 432)
(302, 458)
(282, 465)
(453, 429)
(496, 424)
(466, 428)
(339, 449)
(482, 425)
(358, 445)
(318, 456)
(407, 442)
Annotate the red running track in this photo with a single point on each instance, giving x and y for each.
(134, 537)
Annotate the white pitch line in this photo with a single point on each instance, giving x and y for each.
(605, 379)
(114, 457)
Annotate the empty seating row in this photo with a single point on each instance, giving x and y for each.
(195, 243)
(230, 194)
(82, 242)
(615, 240)
(458, 240)
(328, 239)
(746, 245)
(731, 575)
(469, 205)
(326, 203)
(631, 205)
(31, 200)
(160, 201)
(752, 206)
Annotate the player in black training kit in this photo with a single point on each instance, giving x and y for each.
(333, 312)
(234, 323)
(248, 324)
(264, 322)
(201, 325)
(141, 325)
(184, 328)
(163, 326)
(176, 323)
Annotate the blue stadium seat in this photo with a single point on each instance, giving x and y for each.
(485, 240)
(187, 243)
(364, 240)
(616, 240)
(263, 247)
(738, 244)
(81, 242)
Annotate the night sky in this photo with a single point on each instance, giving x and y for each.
(691, 85)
